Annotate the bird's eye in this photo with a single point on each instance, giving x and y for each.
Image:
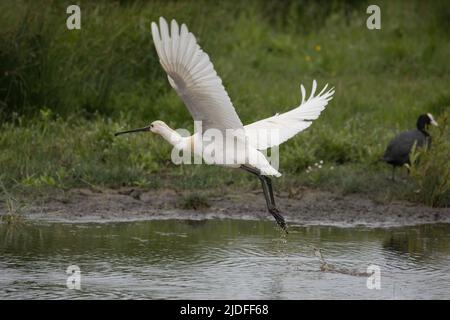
(151, 126)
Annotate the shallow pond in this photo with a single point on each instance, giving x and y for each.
(222, 259)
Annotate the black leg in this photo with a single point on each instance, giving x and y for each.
(263, 184)
(269, 185)
(268, 195)
(393, 173)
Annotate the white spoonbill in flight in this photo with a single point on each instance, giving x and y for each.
(192, 75)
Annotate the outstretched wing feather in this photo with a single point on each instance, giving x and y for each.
(281, 127)
(192, 75)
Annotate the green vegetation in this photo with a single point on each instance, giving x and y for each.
(64, 93)
(431, 169)
(13, 213)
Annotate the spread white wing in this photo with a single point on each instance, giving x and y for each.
(192, 75)
(277, 129)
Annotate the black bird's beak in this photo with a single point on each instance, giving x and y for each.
(134, 130)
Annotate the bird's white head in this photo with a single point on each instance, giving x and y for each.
(158, 127)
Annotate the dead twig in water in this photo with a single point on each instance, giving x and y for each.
(326, 267)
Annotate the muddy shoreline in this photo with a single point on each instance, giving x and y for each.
(307, 207)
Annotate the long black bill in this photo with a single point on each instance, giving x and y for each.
(134, 130)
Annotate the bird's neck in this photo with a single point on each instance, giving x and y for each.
(171, 136)
(424, 131)
(422, 126)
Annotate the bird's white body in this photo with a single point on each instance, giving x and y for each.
(220, 138)
(192, 75)
(229, 153)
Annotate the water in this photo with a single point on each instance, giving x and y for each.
(222, 259)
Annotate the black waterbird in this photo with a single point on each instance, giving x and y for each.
(398, 150)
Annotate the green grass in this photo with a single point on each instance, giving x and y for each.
(12, 215)
(63, 93)
(430, 169)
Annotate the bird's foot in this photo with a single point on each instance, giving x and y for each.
(279, 218)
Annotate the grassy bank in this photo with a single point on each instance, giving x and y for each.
(63, 93)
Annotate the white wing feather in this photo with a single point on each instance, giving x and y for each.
(192, 75)
(288, 124)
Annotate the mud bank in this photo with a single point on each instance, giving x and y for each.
(307, 207)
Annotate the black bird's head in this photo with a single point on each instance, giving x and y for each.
(424, 121)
